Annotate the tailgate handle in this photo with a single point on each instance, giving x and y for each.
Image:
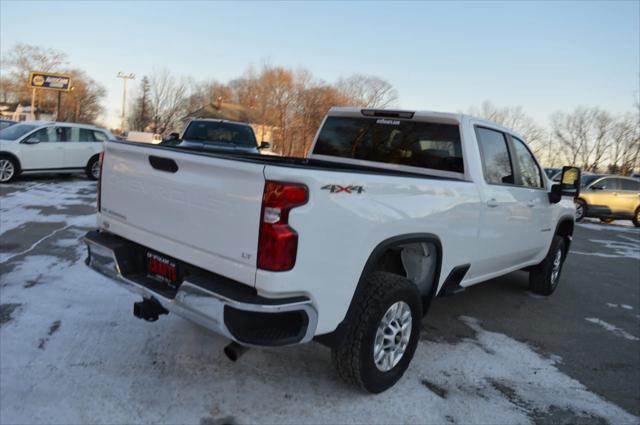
(163, 164)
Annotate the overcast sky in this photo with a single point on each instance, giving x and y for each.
(543, 56)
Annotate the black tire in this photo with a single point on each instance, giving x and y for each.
(541, 277)
(607, 220)
(93, 162)
(8, 169)
(581, 209)
(353, 356)
(636, 217)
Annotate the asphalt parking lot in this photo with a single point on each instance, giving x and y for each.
(72, 352)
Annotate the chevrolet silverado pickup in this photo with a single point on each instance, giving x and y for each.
(346, 247)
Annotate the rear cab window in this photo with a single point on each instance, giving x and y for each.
(416, 144)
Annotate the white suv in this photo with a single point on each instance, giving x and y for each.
(50, 147)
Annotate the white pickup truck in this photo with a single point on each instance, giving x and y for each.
(347, 247)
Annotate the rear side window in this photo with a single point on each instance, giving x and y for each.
(496, 164)
(63, 134)
(630, 185)
(413, 143)
(86, 135)
(529, 170)
(99, 136)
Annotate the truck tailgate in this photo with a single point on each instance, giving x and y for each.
(206, 212)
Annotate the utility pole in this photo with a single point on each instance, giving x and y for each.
(125, 79)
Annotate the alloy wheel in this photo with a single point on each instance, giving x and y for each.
(6, 170)
(392, 336)
(95, 169)
(555, 269)
(579, 211)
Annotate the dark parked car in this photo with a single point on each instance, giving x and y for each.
(6, 123)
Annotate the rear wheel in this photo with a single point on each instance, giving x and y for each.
(581, 209)
(544, 278)
(606, 220)
(382, 335)
(8, 169)
(93, 168)
(636, 217)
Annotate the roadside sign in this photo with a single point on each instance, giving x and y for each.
(47, 80)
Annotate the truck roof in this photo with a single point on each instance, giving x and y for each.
(219, 120)
(444, 117)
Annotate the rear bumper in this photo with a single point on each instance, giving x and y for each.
(228, 308)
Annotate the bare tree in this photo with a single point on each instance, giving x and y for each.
(168, 101)
(19, 61)
(140, 111)
(207, 93)
(516, 119)
(84, 103)
(367, 91)
(625, 145)
(584, 136)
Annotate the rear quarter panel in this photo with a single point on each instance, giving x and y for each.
(338, 231)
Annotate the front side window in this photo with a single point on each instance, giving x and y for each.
(529, 170)
(47, 134)
(495, 156)
(605, 184)
(414, 143)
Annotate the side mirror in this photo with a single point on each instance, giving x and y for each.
(264, 145)
(174, 136)
(32, 141)
(569, 185)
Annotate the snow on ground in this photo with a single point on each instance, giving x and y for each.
(627, 244)
(26, 206)
(72, 352)
(619, 225)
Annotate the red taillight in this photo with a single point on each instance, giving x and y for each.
(278, 243)
(100, 157)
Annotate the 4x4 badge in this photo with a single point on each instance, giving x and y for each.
(336, 188)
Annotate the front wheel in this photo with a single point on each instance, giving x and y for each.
(636, 217)
(544, 278)
(382, 335)
(8, 169)
(581, 209)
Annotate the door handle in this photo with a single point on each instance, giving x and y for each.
(531, 203)
(492, 203)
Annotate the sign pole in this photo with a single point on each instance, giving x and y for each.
(58, 108)
(33, 104)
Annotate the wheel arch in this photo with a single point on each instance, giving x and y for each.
(565, 229)
(14, 158)
(95, 156)
(371, 265)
